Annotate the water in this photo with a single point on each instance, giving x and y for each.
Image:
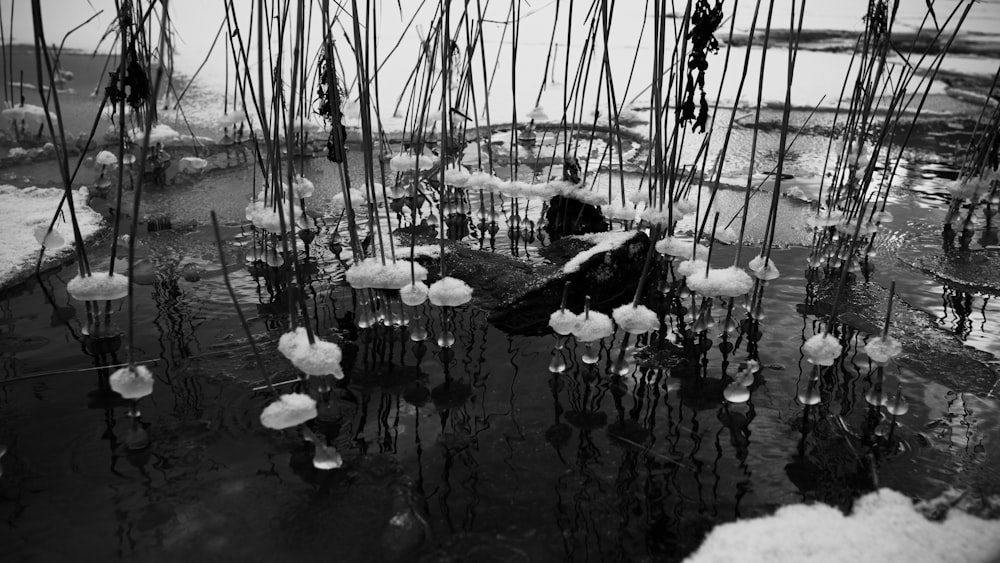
(501, 456)
(477, 451)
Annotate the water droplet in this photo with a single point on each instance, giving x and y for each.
(274, 259)
(327, 457)
(590, 356)
(446, 339)
(810, 396)
(736, 393)
(418, 333)
(621, 366)
(882, 429)
(898, 405)
(875, 397)
(557, 364)
(432, 220)
(744, 377)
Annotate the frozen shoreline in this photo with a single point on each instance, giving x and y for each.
(24, 209)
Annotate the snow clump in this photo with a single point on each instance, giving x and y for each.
(319, 358)
(449, 292)
(291, 409)
(132, 382)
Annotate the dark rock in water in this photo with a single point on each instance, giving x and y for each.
(608, 277)
(567, 216)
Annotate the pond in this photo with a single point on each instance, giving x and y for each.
(477, 451)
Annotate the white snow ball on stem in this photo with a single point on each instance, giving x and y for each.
(882, 349)
(636, 319)
(291, 409)
(98, 286)
(593, 326)
(564, 321)
(449, 292)
(413, 294)
(132, 382)
(822, 349)
(318, 358)
(764, 268)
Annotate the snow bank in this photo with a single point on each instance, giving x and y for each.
(22, 210)
(883, 527)
(371, 273)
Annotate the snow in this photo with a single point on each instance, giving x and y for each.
(483, 181)
(319, 358)
(132, 382)
(302, 187)
(603, 242)
(682, 248)
(406, 162)
(636, 320)
(291, 409)
(191, 164)
(449, 292)
(29, 113)
(51, 240)
(413, 294)
(98, 286)
(158, 134)
(371, 273)
(764, 268)
(337, 202)
(725, 282)
(593, 326)
(884, 526)
(881, 350)
(822, 349)
(538, 114)
(564, 321)
(457, 176)
(106, 158)
(22, 210)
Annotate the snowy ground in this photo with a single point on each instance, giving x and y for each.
(22, 210)
(884, 526)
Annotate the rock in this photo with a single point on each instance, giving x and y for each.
(567, 216)
(609, 278)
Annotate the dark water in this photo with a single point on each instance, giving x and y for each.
(486, 454)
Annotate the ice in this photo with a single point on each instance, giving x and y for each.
(822, 349)
(636, 319)
(26, 209)
(99, 286)
(449, 292)
(593, 326)
(764, 268)
(682, 248)
(725, 282)
(603, 242)
(884, 526)
(291, 409)
(49, 239)
(822, 220)
(564, 321)
(319, 358)
(883, 349)
(132, 382)
(191, 164)
(371, 273)
(413, 294)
